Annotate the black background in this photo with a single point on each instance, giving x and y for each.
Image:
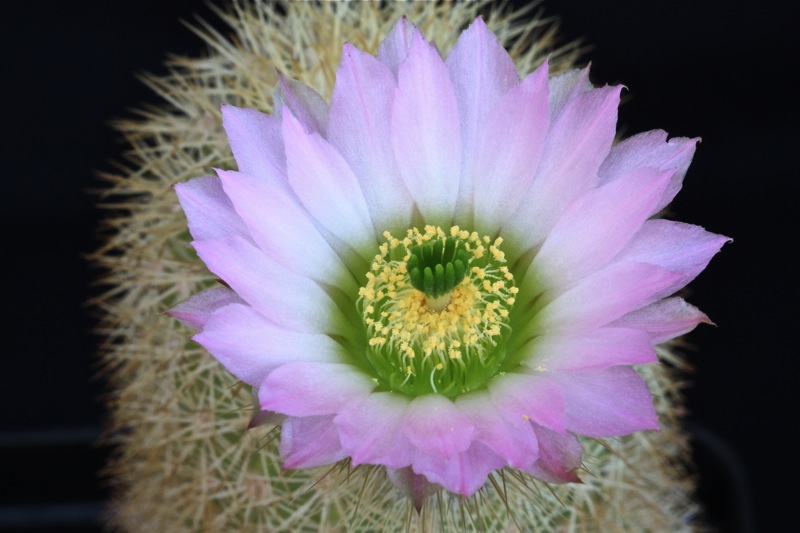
(715, 70)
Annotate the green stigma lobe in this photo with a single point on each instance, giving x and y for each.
(437, 267)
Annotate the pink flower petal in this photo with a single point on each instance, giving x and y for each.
(578, 141)
(464, 473)
(361, 108)
(596, 349)
(256, 142)
(310, 441)
(435, 425)
(512, 141)
(565, 86)
(522, 398)
(681, 248)
(651, 149)
(481, 72)
(416, 487)
(603, 297)
(606, 403)
(515, 443)
(425, 132)
(196, 311)
(371, 431)
(250, 346)
(209, 212)
(284, 230)
(559, 457)
(394, 48)
(290, 300)
(303, 102)
(596, 226)
(326, 186)
(307, 389)
(664, 320)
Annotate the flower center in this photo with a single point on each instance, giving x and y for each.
(436, 309)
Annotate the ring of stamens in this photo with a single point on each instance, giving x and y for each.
(418, 342)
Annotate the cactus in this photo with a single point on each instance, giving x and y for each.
(185, 459)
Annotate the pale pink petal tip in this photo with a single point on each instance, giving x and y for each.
(256, 142)
(208, 210)
(311, 441)
(559, 457)
(303, 102)
(196, 311)
(394, 48)
(416, 487)
(665, 320)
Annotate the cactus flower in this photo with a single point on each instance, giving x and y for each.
(447, 270)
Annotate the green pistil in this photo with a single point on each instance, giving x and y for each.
(437, 267)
